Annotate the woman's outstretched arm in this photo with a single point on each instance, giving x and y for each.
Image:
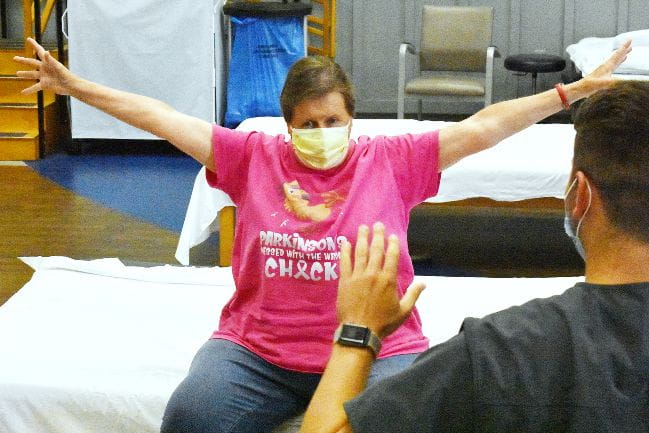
(189, 134)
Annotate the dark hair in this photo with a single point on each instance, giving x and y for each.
(612, 149)
(314, 77)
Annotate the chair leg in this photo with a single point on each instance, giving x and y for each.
(419, 109)
(400, 103)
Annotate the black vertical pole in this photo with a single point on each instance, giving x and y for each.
(63, 105)
(3, 18)
(60, 44)
(41, 114)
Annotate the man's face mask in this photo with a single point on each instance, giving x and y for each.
(568, 223)
(321, 148)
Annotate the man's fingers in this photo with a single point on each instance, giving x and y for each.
(345, 261)
(410, 297)
(391, 263)
(377, 247)
(360, 256)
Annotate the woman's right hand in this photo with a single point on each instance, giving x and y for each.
(50, 73)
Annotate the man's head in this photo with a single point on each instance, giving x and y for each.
(612, 150)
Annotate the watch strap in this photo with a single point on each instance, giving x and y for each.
(352, 334)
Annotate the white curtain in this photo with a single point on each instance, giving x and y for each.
(162, 49)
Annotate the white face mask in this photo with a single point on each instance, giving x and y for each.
(567, 222)
(321, 148)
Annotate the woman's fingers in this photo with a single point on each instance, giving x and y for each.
(33, 89)
(30, 75)
(34, 63)
(620, 54)
(626, 47)
(40, 51)
(48, 71)
(616, 59)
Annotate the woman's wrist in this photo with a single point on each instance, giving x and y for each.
(580, 89)
(575, 91)
(74, 85)
(562, 95)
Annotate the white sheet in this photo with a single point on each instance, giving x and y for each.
(162, 49)
(99, 347)
(534, 163)
(589, 53)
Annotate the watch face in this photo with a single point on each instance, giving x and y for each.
(356, 334)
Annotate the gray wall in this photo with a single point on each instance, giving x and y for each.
(14, 18)
(15, 22)
(369, 33)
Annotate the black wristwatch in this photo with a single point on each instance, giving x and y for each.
(351, 334)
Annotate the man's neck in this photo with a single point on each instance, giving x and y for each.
(618, 261)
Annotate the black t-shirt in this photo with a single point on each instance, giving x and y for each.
(576, 362)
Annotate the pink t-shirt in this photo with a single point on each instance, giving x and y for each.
(291, 221)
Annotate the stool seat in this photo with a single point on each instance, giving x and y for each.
(535, 63)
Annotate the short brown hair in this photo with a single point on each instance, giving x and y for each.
(314, 77)
(612, 149)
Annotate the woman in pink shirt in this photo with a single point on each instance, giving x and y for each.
(299, 199)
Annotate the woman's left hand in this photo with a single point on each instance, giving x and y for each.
(603, 76)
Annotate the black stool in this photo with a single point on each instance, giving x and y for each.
(534, 63)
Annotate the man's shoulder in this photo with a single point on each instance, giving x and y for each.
(509, 349)
(562, 353)
(528, 317)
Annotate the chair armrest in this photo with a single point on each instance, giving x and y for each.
(404, 49)
(407, 47)
(489, 74)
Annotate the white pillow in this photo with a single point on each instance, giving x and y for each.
(637, 62)
(640, 38)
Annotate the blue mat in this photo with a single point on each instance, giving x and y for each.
(152, 186)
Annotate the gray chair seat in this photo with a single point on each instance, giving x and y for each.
(445, 86)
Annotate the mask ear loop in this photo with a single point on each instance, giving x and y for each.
(590, 199)
(565, 197)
